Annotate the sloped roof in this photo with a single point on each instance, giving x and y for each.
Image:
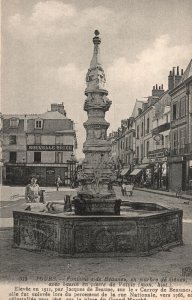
(49, 115)
(187, 73)
(52, 115)
(138, 104)
(9, 116)
(162, 105)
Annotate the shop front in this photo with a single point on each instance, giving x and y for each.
(46, 174)
(140, 175)
(159, 169)
(124, 175)
(177, 173)
(189, 177)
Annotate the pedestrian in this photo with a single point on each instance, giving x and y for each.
(32, 191)
(123, 189)
(58, 182)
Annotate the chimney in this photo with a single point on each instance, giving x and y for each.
(170, 81)
(177, 77)
(59, 108)
(174, 78)
(181, 71)
(157, 92)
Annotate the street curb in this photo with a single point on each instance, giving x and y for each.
(163, 194)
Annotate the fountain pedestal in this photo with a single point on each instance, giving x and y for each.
(96, 204)
(94, 196)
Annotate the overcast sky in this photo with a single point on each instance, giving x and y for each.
(47, 48)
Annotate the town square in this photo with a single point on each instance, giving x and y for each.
(96, 192)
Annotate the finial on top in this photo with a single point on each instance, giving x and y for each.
(96, 39)
(97, 32)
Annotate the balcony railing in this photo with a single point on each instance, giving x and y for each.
(161, 128)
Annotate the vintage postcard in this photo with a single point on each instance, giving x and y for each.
(96, 150)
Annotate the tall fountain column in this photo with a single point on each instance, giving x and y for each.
(96, 194)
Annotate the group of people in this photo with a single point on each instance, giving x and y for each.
(127, 188)
(33, 193)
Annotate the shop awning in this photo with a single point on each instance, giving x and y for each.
(136, 172)
(124, 171)
(142, 166)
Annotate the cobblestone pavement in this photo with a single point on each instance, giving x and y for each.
(16, 263)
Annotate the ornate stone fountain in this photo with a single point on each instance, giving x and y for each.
(97, 228)
(96, 196)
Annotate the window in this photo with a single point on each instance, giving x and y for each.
(174, 111)
(14, 123)
(182, 138)
(166, 143)
(59, 157)
(130, 144)
(174, 140)
(142, 129)
(137, 131)
(147, 148)
(142, 153)
(59, 140)
(137, 152)
(162, 140)
(38, 124)
(12, 140)
(147, 130)
(38, 139)
(37, 157)
(182, 107)
(13, 157)
(126, 143)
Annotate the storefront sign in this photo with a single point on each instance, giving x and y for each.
(49, 148)
(158, 138)
(159, 153)
(158, 159)
(50, 171)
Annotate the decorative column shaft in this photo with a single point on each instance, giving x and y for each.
(96, 174)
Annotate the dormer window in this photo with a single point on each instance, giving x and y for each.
(14, 122)
(38, 124)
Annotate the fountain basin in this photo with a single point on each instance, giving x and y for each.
(140, 230)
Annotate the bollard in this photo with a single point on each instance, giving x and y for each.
(67, 203)
(42, 198)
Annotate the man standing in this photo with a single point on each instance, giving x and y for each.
(58, 182)
(32, 191)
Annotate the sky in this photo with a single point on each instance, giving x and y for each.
(47, 48)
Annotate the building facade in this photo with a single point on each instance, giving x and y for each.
(180, 159)
(158, 157)
(1, 142)
(143, 170)
(123, 143)
(41, 145)
(155, 143)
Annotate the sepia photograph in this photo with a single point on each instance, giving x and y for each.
(96, 150)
